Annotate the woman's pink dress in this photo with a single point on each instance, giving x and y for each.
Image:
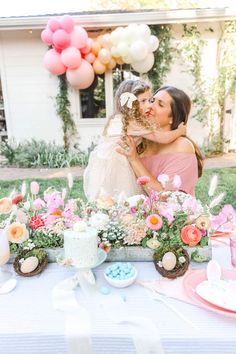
(171, 164)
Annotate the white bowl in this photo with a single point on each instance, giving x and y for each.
(123, 282)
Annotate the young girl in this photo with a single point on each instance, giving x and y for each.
(109, 173)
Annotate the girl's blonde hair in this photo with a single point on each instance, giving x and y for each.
(136, 87)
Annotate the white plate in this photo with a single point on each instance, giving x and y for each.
(102, 255)
(221, 293)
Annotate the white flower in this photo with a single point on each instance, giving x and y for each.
(182, 259)
(70, 180)
(177, 181)
(213, 185)
(163, 179)
(80, 226)
(27, 205)
(133, 201)
(99, 220)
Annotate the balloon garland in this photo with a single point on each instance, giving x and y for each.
(80, 57)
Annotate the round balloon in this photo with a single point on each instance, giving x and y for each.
(67, 23)
(112, 64)
(144, 32)
(71, 57)
(96, 46)
(78, 37)
(98, 67)
(82, 77)
(53, 63)
(90, 57)
(145, 65)
(153, 43)
(122, 49)
(138, 50)
(104, 56)
(87, 48)
(61, 39)
(53, 24)
(46, 36)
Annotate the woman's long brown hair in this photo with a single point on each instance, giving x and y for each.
(180, 107)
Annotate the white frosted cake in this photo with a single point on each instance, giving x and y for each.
(81, 245)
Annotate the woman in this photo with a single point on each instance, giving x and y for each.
(169, 106)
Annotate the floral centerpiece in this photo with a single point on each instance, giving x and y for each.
(153, 223)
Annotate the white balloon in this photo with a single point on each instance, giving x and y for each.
(132, 29)
(153, 43)
(114, 52)
(145, 65)
(127, 59)
(115, 35)
(122, 49)
(144, 32)
(138, 50)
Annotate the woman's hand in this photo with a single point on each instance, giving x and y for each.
(128, 148)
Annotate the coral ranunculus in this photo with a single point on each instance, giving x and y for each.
(190, 235)
(5, 205)
(17, 232)
(154, 222)
(17, 198)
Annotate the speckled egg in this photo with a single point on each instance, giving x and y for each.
(29, 264)
(169, 261)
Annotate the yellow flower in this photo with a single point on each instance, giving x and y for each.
(17, 232)
(5, 205)
(203, 222)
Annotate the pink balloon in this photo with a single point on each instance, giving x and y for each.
(53, 24)
(46, 36)
(61, 39)
(79, 37)
(71, 57)
(90, 57)
(82, 77)
(87, 48)
(67, 23)
(53, 63)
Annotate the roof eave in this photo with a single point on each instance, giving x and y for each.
(121, 19)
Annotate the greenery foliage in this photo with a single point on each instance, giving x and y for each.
(41, 154)
(63, 111)
(163, 56)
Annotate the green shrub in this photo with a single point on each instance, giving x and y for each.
(41, 154)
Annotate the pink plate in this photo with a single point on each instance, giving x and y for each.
(194, 278)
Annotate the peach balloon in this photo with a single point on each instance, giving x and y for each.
(82, 77)
(104, 56)
(112, 64)
(96, 46)
(53, 63)
(90, 57)
(119, 61)
(61, 39)
(71, 57)
(98, 67)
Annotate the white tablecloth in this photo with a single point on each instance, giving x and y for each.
(30, 325)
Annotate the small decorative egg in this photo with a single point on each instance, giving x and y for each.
(169, 261)
(29, 264)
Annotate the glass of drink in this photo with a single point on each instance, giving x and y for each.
(4, 256)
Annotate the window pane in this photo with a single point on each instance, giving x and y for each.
(122, 73)
(93, 99)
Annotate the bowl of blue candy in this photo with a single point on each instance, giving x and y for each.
(120, 274)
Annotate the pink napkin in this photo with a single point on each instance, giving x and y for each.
(169, 287)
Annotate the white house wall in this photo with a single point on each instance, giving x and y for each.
(29, 90)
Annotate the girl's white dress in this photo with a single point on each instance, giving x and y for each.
(109, 173)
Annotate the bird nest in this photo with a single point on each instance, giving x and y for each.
(42, 258)
(180, 267)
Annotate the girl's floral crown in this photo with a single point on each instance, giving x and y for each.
(127, 98)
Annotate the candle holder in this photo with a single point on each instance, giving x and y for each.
(4, 257)
(233, 250)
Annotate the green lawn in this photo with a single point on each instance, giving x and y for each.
(227, 184)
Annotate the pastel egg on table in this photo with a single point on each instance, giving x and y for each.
(29, 264)
(169, 261)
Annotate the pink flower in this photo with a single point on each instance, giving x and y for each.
(154, 222)
(133, 210)
(141, 181)
(177, 181)
(34, 187)
(168, 214)
(105, 247)
(163, 179)
(38, 204)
